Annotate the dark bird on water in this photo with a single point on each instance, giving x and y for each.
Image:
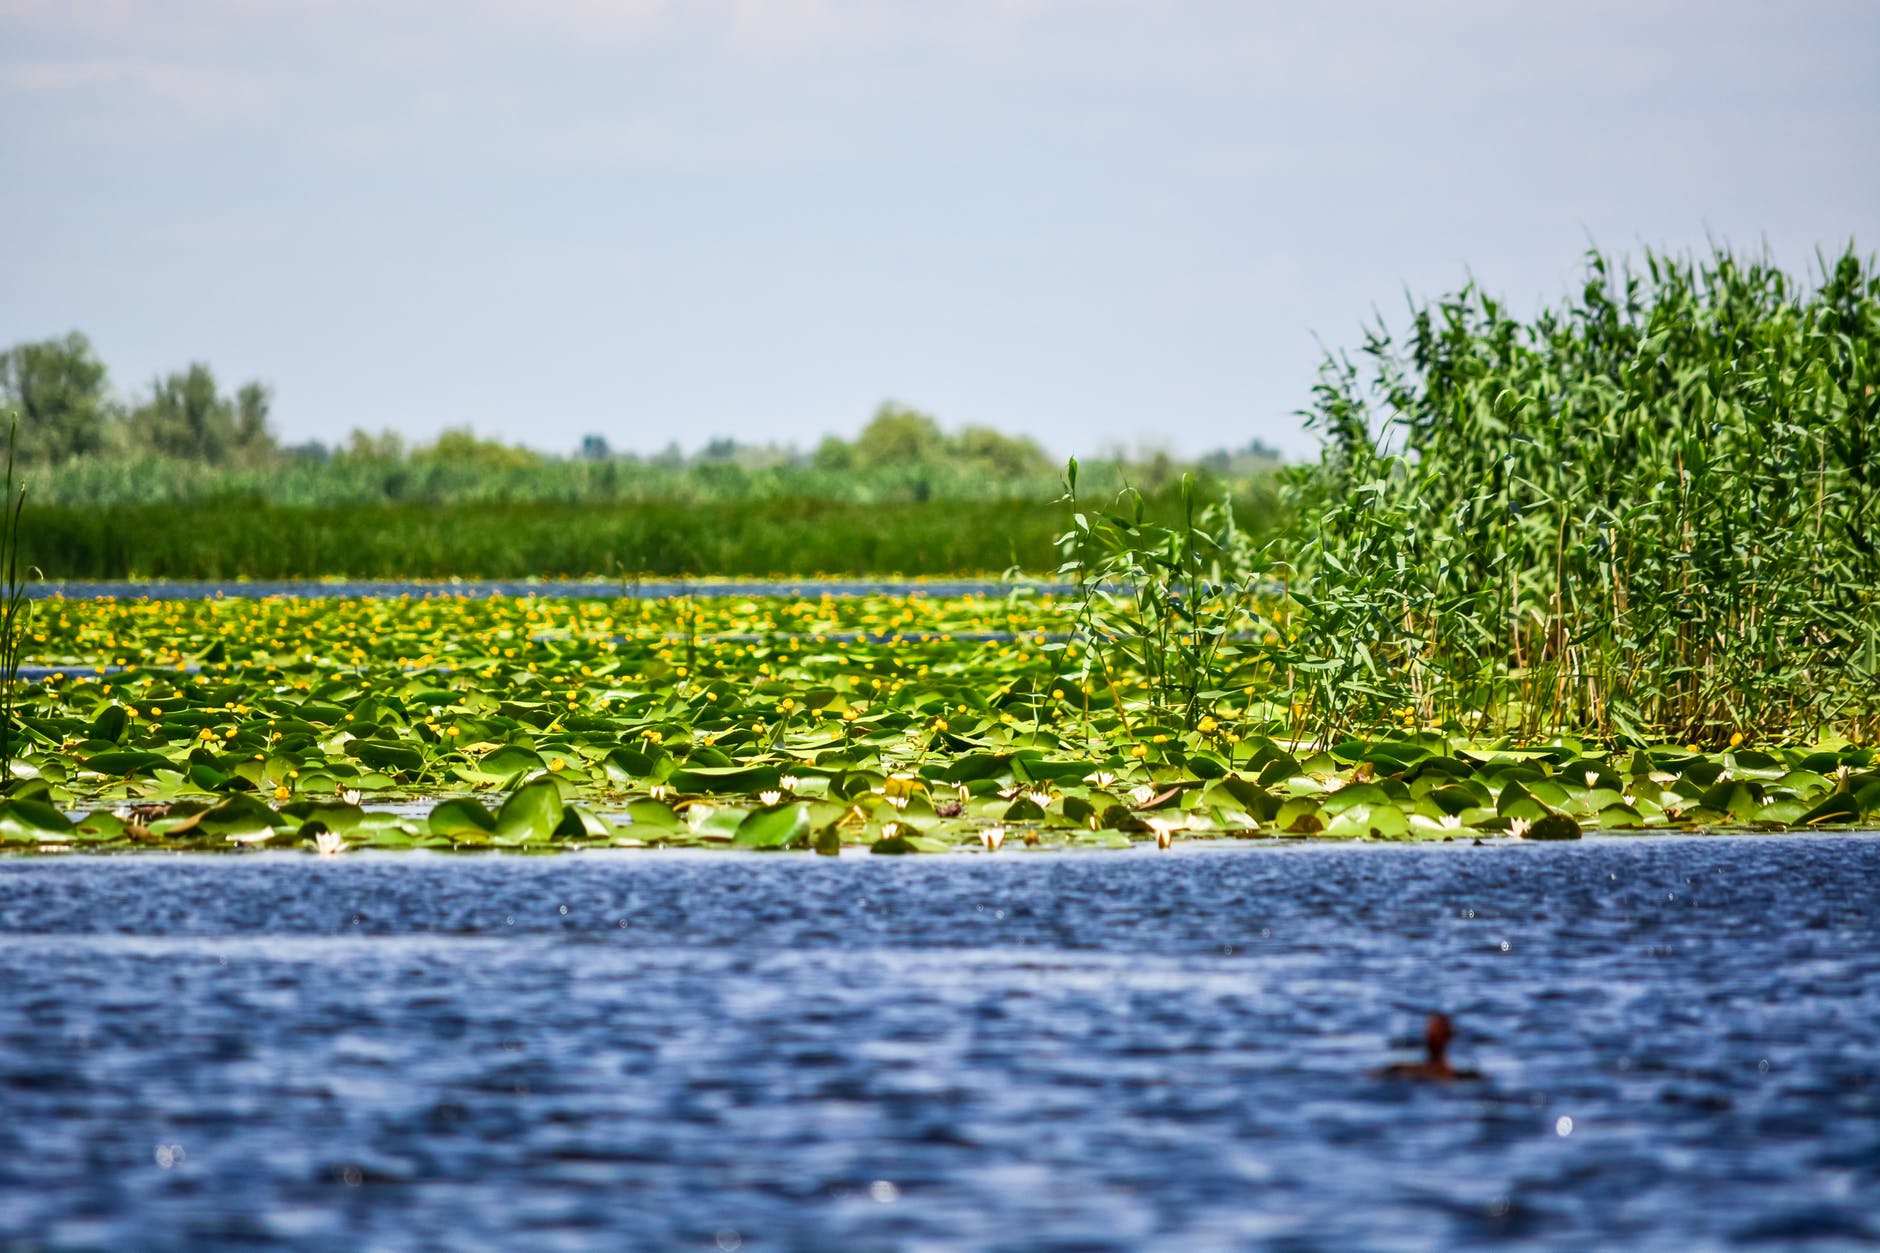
(1435, 1067)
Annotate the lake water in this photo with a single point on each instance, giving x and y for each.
(1680, 1037)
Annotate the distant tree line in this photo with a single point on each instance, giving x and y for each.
(61, 394)
(184, 438)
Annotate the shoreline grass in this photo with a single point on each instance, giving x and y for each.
(796, 538)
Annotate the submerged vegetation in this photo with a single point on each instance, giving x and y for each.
(1611, 568)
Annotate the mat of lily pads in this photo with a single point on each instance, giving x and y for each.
(898, 724)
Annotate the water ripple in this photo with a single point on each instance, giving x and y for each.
(1681, 1043)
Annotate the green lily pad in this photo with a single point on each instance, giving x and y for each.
(461, 817)
(1554, 827)
(532, 812)
(778, 826)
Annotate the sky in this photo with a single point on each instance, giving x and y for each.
(1096, 222)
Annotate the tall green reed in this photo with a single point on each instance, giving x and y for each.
(16, 610)
(1168, 610)
(1649, 513)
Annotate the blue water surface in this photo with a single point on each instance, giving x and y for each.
(1680, 1037)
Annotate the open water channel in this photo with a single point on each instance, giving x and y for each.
(1680, 1038)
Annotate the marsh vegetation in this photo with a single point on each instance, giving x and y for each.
(1610, 568)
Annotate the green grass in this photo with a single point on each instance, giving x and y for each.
(241, 540)
(251, 539)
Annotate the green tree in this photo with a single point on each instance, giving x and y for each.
(58, 388)
(252, 404)
(458, 447)
(998, 455)
(834, 455)
(188, 418)
(362, 446)
(898, 437)
(181, 418)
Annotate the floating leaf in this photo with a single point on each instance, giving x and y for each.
(778, 826)
(31, 819)
(125, 761)
(1554, 827)
(461, 817)
(532, 812)
(745, 779)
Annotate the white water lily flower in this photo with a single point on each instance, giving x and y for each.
(790, 782)
(329, 843)
(899, 802)
(659, 791)
(1449, 822)
(770, 796)
(1142, 794)
(1592, 777)
(1039, 797)
(1102, 778)
(1519, 827)
(350, 795)
(1164, 831)
(696, 815)
(992, 837)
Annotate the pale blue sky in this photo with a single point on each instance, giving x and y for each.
(1094, 221)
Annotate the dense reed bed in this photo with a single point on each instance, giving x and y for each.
(493, 474)
(237, 539)
(1651, 512)
(254, 538)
